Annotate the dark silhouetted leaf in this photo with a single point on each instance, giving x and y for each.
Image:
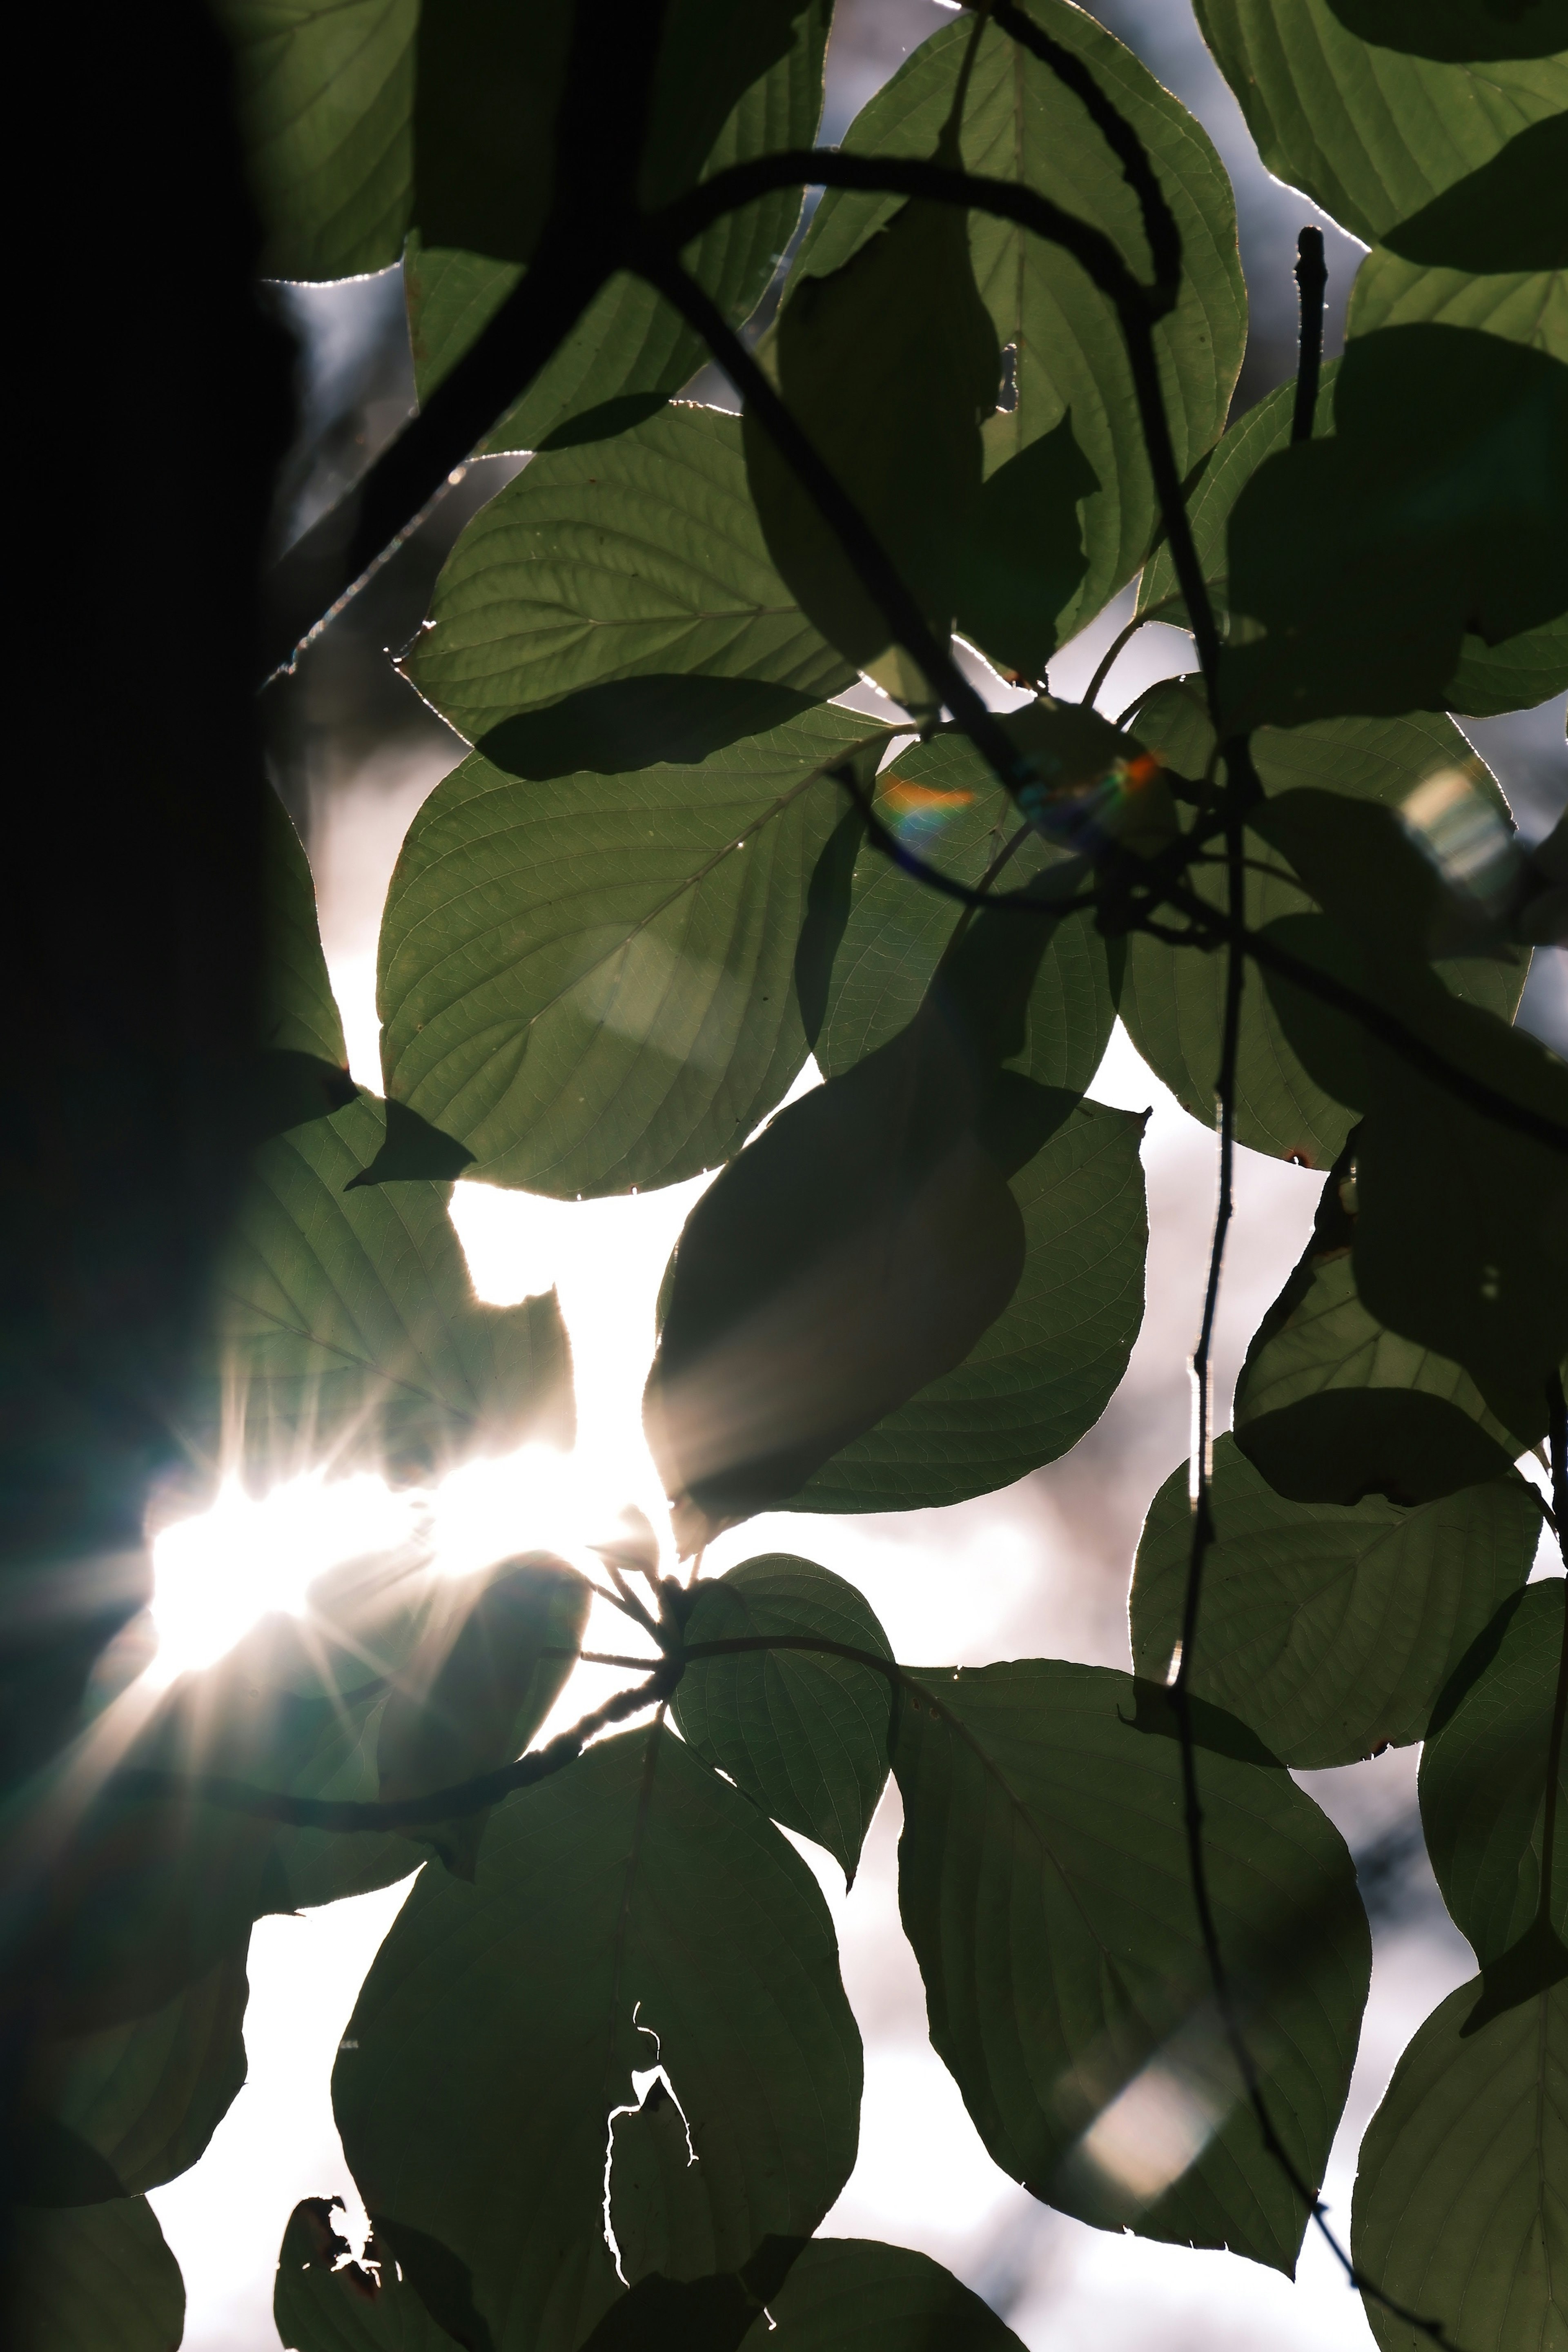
(1256, 434)
(299, 1012)
(493, 1657)
(1458, 2203)
(843, 2292)
(591, 978)
(629, 351)
(413, 1152)
(1459, 30)
(348, 1330)
(803, 1733)
(703, 2315)
(324, 2304)
(1371, 134)
(1069, 367)
(631, 1912)
(1329, 1631)
(1173, 1000)
(889, 362)
(1495, 1746)
(632, 558)
(135, 2104)
(1509, 216)
(1438, 505)
(1331, 1406)
(1043, 1882)
(1047, 1369)
(93, 2278)
(487, 85)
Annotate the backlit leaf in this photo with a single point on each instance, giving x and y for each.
(1069, 366)
(137, 2102)
(1371, 134)
(890, 363)
(629, 351)
(1460, 2210)
(941, 801)
(1507, 216)
(1496, 1744)
(590, 979)
(1173, 998)
(324, 2304)
(93, 2278)
(1329, 1631)
(1438, 505)
(1331, 1406)
(1047, 1367)
(851, 2292)
(298, 1012)
(802, 1732)
(348, 1330)
(633, 557)
(1044, 1884)
(631, 1912)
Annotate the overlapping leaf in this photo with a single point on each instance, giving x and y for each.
(1461, 30)
(631, 1912)
(113, 2113)
(1372, 133)
(1331, 1406)
(843, 2291)
(94, 2278)
(630, 351)
(1439, 506)
(1044, 1884)
(802, 1732)
(348, 1330)
(942, 802)
(1485, 1771)
(590, 979)
(1067, 482)
(633, 557)
(1460, 2211)
(1329, 1631)
(1044, 1370)
(1173, 998)
(888, 363)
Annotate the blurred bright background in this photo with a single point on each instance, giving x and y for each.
(1039, 1570)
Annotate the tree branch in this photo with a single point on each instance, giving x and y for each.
(1312, 278)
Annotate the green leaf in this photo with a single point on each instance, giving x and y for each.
(310, 1867)
(943, 802)
(1173, 998)
(1458, 2207)
(630, 351)
(1331, 1632)
(803, 1733)
(1070, 371)
(1044, 1370)
(591, 978)
(635, 558)
(412, 1151)
(94, 2278)
(493, 1659)
(348, 1330)
(888, 363)
(1438, 505)
(1519, 675)
(1460, 29)
(1044, 1884)
(1505, 216)
(488, 85)
(703, 2315)
(299, 1010)
(1495, 1746)
(632, 1911)
(857, 1249)
(1522, 305)
(1372, 135)
(1224, 473)
(322, 2303)
(844, 2292)
(1331, 1406)
(324, 91)
(127, 2108)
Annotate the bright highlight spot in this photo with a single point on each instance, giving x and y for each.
(1463, 834)
(1148, 2136)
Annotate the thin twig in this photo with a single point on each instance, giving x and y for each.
(1311, 279)
(1112, 654)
